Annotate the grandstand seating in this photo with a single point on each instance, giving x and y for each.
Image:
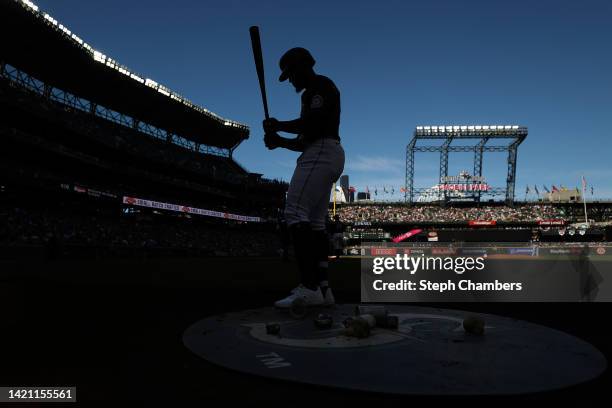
(65, 145)
(466, 212)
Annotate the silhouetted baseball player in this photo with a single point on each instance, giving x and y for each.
(318, 167)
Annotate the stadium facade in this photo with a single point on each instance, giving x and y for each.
(94, 154)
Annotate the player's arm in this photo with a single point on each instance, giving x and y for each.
(274, 140)
(296, 144)
(319, 107)
(305, 123)
(295, 126)
(273, 125)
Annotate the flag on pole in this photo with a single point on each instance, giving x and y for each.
(536, 190)
(546, 189)
(392, 190)
(584, 184)
(527, 190)
(555, 189)
(375, 191)
(403, 189)
(334, 207)
(352, 189)
(385, 189)
(591, 190)
(367, 190)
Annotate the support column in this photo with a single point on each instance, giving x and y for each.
(409, 182)
(510, 181)
(478, 153)
(47, 90)
(444, 163)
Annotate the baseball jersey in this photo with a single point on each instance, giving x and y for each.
(320, 112)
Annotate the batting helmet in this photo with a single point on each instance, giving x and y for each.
(294, 57)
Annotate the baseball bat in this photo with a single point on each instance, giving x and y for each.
(256, 45)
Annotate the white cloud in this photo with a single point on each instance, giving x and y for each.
(375, 163)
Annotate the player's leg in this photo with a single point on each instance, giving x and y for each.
(330, 167)
(298, 207)
(321, 238)
(284, 239)
(303, 242)
(321, 241)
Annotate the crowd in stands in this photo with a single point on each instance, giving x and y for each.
(395, 213)
(41, 227)
(600, 214)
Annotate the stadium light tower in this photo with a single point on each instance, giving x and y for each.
(447, 134)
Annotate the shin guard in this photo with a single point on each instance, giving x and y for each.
(322, 249)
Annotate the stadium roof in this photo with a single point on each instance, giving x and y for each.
(39, 45)
(471, 131)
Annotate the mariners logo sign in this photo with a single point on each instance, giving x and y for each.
(316, 102)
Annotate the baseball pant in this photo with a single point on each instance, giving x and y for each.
(317, 168)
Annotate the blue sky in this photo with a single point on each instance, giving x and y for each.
(398, 64)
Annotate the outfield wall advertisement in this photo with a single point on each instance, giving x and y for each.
(184, 209)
